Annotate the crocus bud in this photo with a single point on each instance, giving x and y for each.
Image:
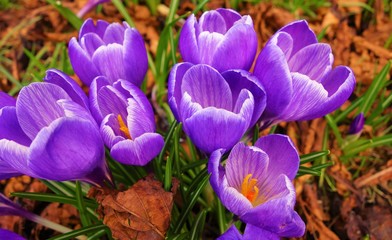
(90, 5)
(296, 72)
(115, 51)
(52, 134)
(127, 121)
(221, 38)
(256, 184)
(356, 126)
(216, 109)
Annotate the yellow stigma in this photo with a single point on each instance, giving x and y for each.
(123, 127)
(249, 188)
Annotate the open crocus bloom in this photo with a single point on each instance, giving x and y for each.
(50, 133)
(127, 121)
(296, 72)
(256, 184)
(222, 39)
(215, 109)
(112, 50)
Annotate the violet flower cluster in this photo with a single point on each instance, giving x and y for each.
(54, 131)
(218, 101)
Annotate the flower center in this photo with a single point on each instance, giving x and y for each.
(249, 188)
(123, 127)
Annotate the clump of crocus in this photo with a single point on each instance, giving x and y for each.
(51, 133)
(296, 72)
(127, 121)
(90, 5)
(256, 184)
(215, 109)
(222, 39)
(115, 51)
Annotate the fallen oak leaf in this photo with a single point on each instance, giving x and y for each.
(141, 212)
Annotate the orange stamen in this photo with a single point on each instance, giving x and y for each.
(249, 188)
(123, 127)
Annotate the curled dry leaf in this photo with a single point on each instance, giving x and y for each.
(141, 212)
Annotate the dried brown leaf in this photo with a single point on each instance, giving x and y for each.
(141, 212)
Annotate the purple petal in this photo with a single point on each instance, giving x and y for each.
(114, 34)
(245, 106)
(90, 42)
(237, 50)
(301, 33)
(15, 156)
(282, 219)
(313, 60)
(231, 234)
(10, 128)
(272, 71)
(283, 156)
(188, 107)
(229, 15)
(188, 45)
(135, 57)
(110, 61)
(244, 160)
(68, 149)
(207, 87)
(284, 41)
(110, 131)
(6, 100)
(212, 21)
(73, 90)
(137, 121)
(212, 128)
(96, 85)
(81, 62)
(217, 171)
(6, 171)
(37, 106)
(238, 80)
(5, 234)
(139, 151)
(174, 86)
(312, 100)
(89, 26)
(132, 91)
(255, 233)
(208, 45)
(110, 100)
(229, 196)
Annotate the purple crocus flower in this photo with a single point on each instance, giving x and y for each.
(6, 234)
(222, 39)
(296, 72)
(50, 133)
(256, 184)
(251, 233)
(356, 126)
(112, 50)
(90, 5)
(215, 109)
(127, 121)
